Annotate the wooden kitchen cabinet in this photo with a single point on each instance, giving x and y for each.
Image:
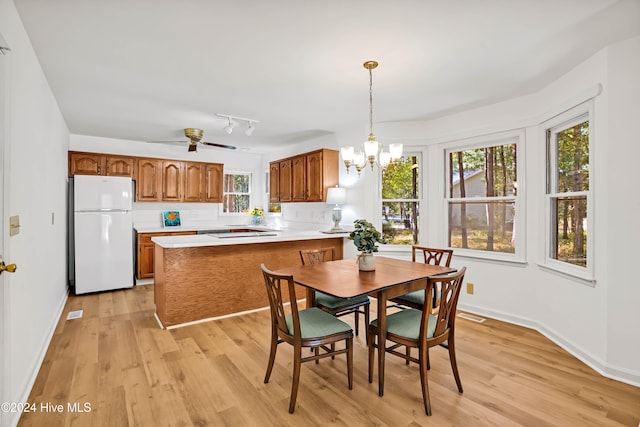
(286, 180)
(86, 163)
(149, 180)
(303, 178)
(156, 180)
(299, 178)
(172, 180)
(274, 182)
(100, 164)
(321, 173)
(144, 265)
(212, 182)
(193, 187)
(120, 165)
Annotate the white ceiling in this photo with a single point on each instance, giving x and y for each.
(146, 69)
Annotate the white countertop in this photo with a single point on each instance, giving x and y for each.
(195, 240)
(161, 229)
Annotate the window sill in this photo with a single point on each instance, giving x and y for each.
(584, 278)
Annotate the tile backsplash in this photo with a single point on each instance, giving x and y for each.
(312, 216)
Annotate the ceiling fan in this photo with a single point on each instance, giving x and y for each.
(195, 136)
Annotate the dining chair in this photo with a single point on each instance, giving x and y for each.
(334, 305)
(432, 256)
(310, 327)
(422, 329)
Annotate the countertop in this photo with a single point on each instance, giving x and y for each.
(195, 240)
(161, 229)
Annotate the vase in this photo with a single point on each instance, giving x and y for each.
(366, 262)
(257, 219)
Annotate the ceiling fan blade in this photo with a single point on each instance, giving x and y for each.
(213, 144)
(193, 147)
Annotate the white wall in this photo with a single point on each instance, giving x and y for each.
(620, 196)
(37, 145)
(597, 323)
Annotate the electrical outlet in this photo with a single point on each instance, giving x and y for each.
(470, 288)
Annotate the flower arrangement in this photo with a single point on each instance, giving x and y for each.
(365, 236)
(256, 212)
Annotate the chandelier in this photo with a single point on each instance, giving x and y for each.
(372, 150)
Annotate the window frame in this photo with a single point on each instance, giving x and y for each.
(224, 193)
(516, 137)
(418, 152)
(553, 126)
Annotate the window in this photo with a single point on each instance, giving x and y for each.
(400, 201)
(482, 182)
(236, 192)
(569, 192)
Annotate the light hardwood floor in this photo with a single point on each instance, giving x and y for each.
(116, 360)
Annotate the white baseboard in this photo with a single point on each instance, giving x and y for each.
(605, 369)
(24, 395)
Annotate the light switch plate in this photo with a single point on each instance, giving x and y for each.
(14, 225)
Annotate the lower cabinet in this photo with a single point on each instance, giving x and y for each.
(144, 268)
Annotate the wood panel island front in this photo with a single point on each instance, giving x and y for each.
(204, 276)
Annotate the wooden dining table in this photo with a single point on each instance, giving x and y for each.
(342, 278)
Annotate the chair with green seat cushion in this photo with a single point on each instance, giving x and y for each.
(335, 305)
(311, 327)
(429, 256)
(423, 329)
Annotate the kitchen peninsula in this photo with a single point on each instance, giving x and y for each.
(203, 276)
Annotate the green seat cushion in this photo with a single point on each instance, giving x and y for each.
(335, 302)
(416, 297)
(406, 323)
(316, 323)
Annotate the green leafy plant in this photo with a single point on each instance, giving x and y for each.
(365, 236)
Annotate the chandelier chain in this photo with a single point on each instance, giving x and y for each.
(370, 102)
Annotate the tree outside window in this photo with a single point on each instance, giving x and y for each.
(400, 202)
(568, 190)
(482, 187)
(236, 193)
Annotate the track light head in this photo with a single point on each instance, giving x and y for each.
(229, 128)
(249, 130)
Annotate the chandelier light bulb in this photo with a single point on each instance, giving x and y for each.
(347, 156)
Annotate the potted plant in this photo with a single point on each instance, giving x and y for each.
(366, 238)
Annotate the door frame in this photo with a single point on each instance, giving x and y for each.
(5, 282)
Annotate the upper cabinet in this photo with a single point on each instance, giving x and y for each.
(120, 165)
(149, 180)
(274, 182)
(172, 180)
(303, 178)
(213, 174)
(100, 164)
(157, 180)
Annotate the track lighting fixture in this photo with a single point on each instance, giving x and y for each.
(233, 121)
(229, 128)
(249, 130)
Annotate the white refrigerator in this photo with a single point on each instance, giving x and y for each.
(103, 233)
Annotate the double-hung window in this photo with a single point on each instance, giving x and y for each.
(236, 189)
(569, 240)
(483, 216)
(401, 201)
